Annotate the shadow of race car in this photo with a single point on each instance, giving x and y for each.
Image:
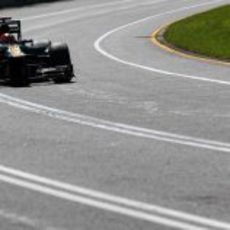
(22, 61)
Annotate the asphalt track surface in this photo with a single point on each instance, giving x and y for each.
(139, 141)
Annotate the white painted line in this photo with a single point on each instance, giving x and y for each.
(137, 205)
(115, 127)
(109, 202)
(89, 7)
(98, 47)
(76, 16)
(73, 10)
(118, 127)
(100, 204)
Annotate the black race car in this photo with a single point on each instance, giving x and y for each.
(22, 61)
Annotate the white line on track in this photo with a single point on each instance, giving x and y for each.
(96, 11)
(104, 201)
(98, 47)
(143, 211)
(99, 204)
(115, 127)
(119, 127)
(83, 8)
(73, 10)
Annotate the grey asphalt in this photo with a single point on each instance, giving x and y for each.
(185, 178)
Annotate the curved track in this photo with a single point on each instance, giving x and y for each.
(139, 141)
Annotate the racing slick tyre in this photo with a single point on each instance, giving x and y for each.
(60, 57)
(17, 72)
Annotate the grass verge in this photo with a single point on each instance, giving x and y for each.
(206, 33)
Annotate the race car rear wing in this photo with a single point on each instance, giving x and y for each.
(14, 25)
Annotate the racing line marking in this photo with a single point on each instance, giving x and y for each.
(86, 8)
(97, 46)
(104, 201)
(143, 211)
(99, 204)
(58, 22)
(118, 127)
(73, 10)
(115, 127)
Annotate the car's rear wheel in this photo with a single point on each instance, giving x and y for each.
(60, 58)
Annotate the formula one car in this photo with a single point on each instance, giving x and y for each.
(22, 61)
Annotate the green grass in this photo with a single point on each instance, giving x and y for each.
(206, 33)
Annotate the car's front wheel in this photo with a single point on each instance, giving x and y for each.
(60, 58)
